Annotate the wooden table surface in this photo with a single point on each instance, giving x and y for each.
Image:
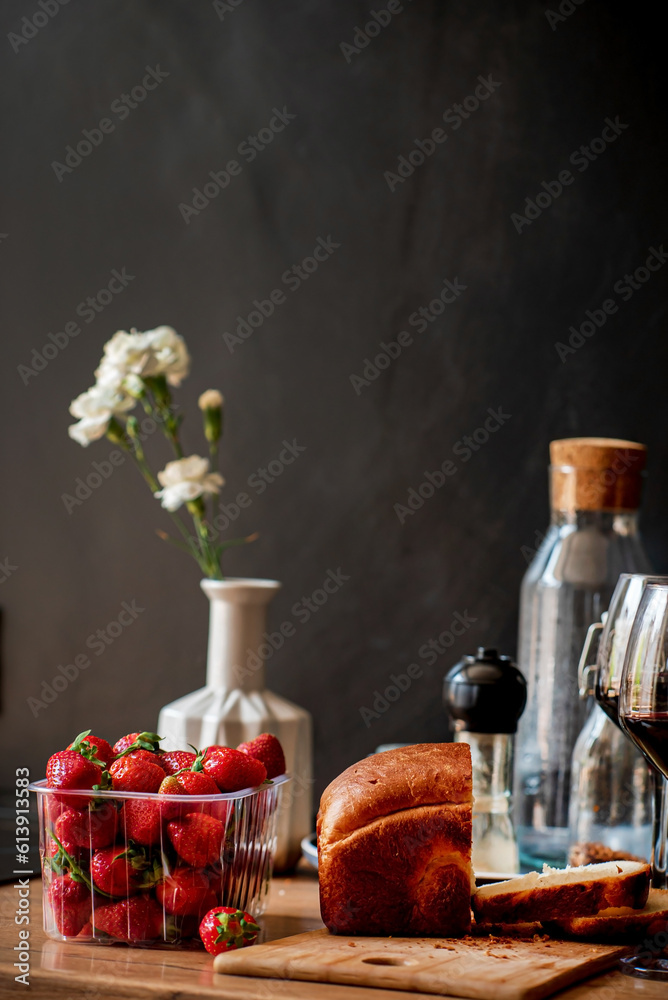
(92, 972)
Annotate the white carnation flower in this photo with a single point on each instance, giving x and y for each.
(169, 355)
(187, 479)
(129, 356)
(94, 410)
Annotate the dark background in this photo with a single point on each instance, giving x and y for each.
(322, 176)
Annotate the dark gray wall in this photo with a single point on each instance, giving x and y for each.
(321, 177)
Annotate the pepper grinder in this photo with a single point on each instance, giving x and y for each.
(485, 695)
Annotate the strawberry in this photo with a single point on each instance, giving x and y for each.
(177, 760)
(232, 770)
(93, 748)
(136, 919)
(117, 870)
(145, 755)
(197, 838)
(186, 892)
(129, 775)
(70, 904)
(93, 828)
(136, 741)
(68, 769)
(141, 821)
(197, 783)
(170, 786)
(268, 749)
(224, 928)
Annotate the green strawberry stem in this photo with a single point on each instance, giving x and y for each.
(145, 741)
(234, 927)
(86, 749)
(76, 872)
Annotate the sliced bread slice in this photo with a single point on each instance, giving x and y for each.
(617, 923)
(556, 893)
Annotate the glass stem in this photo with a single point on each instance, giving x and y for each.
(660, 830)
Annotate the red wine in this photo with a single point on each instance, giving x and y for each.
(609, 702)
(650, 732)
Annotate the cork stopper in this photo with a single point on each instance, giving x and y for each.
(596, 474)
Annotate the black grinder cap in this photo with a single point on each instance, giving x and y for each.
(485, 692)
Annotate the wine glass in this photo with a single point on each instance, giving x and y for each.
(600, 672)
(643, 713)
(614, 639)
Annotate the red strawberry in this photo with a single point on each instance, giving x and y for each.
(177, 760)
(197, 838)
(68, 769)
(197, 783)
(138, 918)
(93, 828)
(135, 775)
(93, 748)
(141, 821)
(224, 928)
(117, 870)
(232, 770)
(70, 904)
(268, 749)
(186, 892)
(170, 786)
(136, 741)
(145, 755)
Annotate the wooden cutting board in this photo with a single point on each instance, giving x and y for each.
(483, 969)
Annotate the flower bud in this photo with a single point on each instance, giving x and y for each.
(211, 405)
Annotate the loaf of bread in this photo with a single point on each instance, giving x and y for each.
(557, 894)
(394, 844)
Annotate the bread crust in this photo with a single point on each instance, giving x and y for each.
(404, 874)
(423, 774)
(615, 926)
(394, 844)
(560, 902)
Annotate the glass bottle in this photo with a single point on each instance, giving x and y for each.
(611, 795)
(595, 486)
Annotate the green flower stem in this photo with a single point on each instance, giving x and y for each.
(198, 511)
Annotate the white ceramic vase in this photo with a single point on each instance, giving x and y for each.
(235, 705)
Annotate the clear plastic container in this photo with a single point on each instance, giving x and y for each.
(185, 854)
(592, 538)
